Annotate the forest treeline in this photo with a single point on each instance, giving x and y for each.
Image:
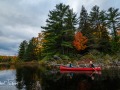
(67, 35)
(4, 59)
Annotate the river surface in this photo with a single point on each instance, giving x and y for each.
(41, 78)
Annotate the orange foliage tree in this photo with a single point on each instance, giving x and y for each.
(80, 41)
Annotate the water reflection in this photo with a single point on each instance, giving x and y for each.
(83, 79)
(90, 74)
(7, 79)
(28, 78)
(41, 78)
(33, 78)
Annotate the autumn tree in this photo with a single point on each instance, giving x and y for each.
(39, 45)
(80, 41)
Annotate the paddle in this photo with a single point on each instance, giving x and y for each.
(94, 69)
(92, 75)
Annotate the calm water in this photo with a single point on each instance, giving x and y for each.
(41, 78)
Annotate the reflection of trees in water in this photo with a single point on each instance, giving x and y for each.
(64, 82)
(5, 66)
(111, 79)
(112, 72)
(27, 77)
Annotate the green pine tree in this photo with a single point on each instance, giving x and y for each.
(59, 30)
(104, 43)
(84, 24)
(30, 51)
(113, 16)
(96, 23)
(22, 50)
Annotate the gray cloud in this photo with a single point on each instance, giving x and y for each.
(17, 13)
(1, 33)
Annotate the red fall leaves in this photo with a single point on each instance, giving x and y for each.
(80, 41)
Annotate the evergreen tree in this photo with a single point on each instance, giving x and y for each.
(113, 21)
(59, 30)
(94, 19)
(22, 50)
(68, 32)
(104, 44)
(99, 32)
(30, 51)
(84, 26)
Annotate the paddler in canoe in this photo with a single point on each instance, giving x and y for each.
(70, 64)
(91, 64)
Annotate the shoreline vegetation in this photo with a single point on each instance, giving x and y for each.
(105, 62)
(67, 37)
(56, 66)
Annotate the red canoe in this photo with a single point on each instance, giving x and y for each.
(66, 68)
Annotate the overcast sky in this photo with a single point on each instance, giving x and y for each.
(21, 19)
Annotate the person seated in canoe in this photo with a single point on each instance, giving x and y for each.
(70, 64)
(91, 64)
